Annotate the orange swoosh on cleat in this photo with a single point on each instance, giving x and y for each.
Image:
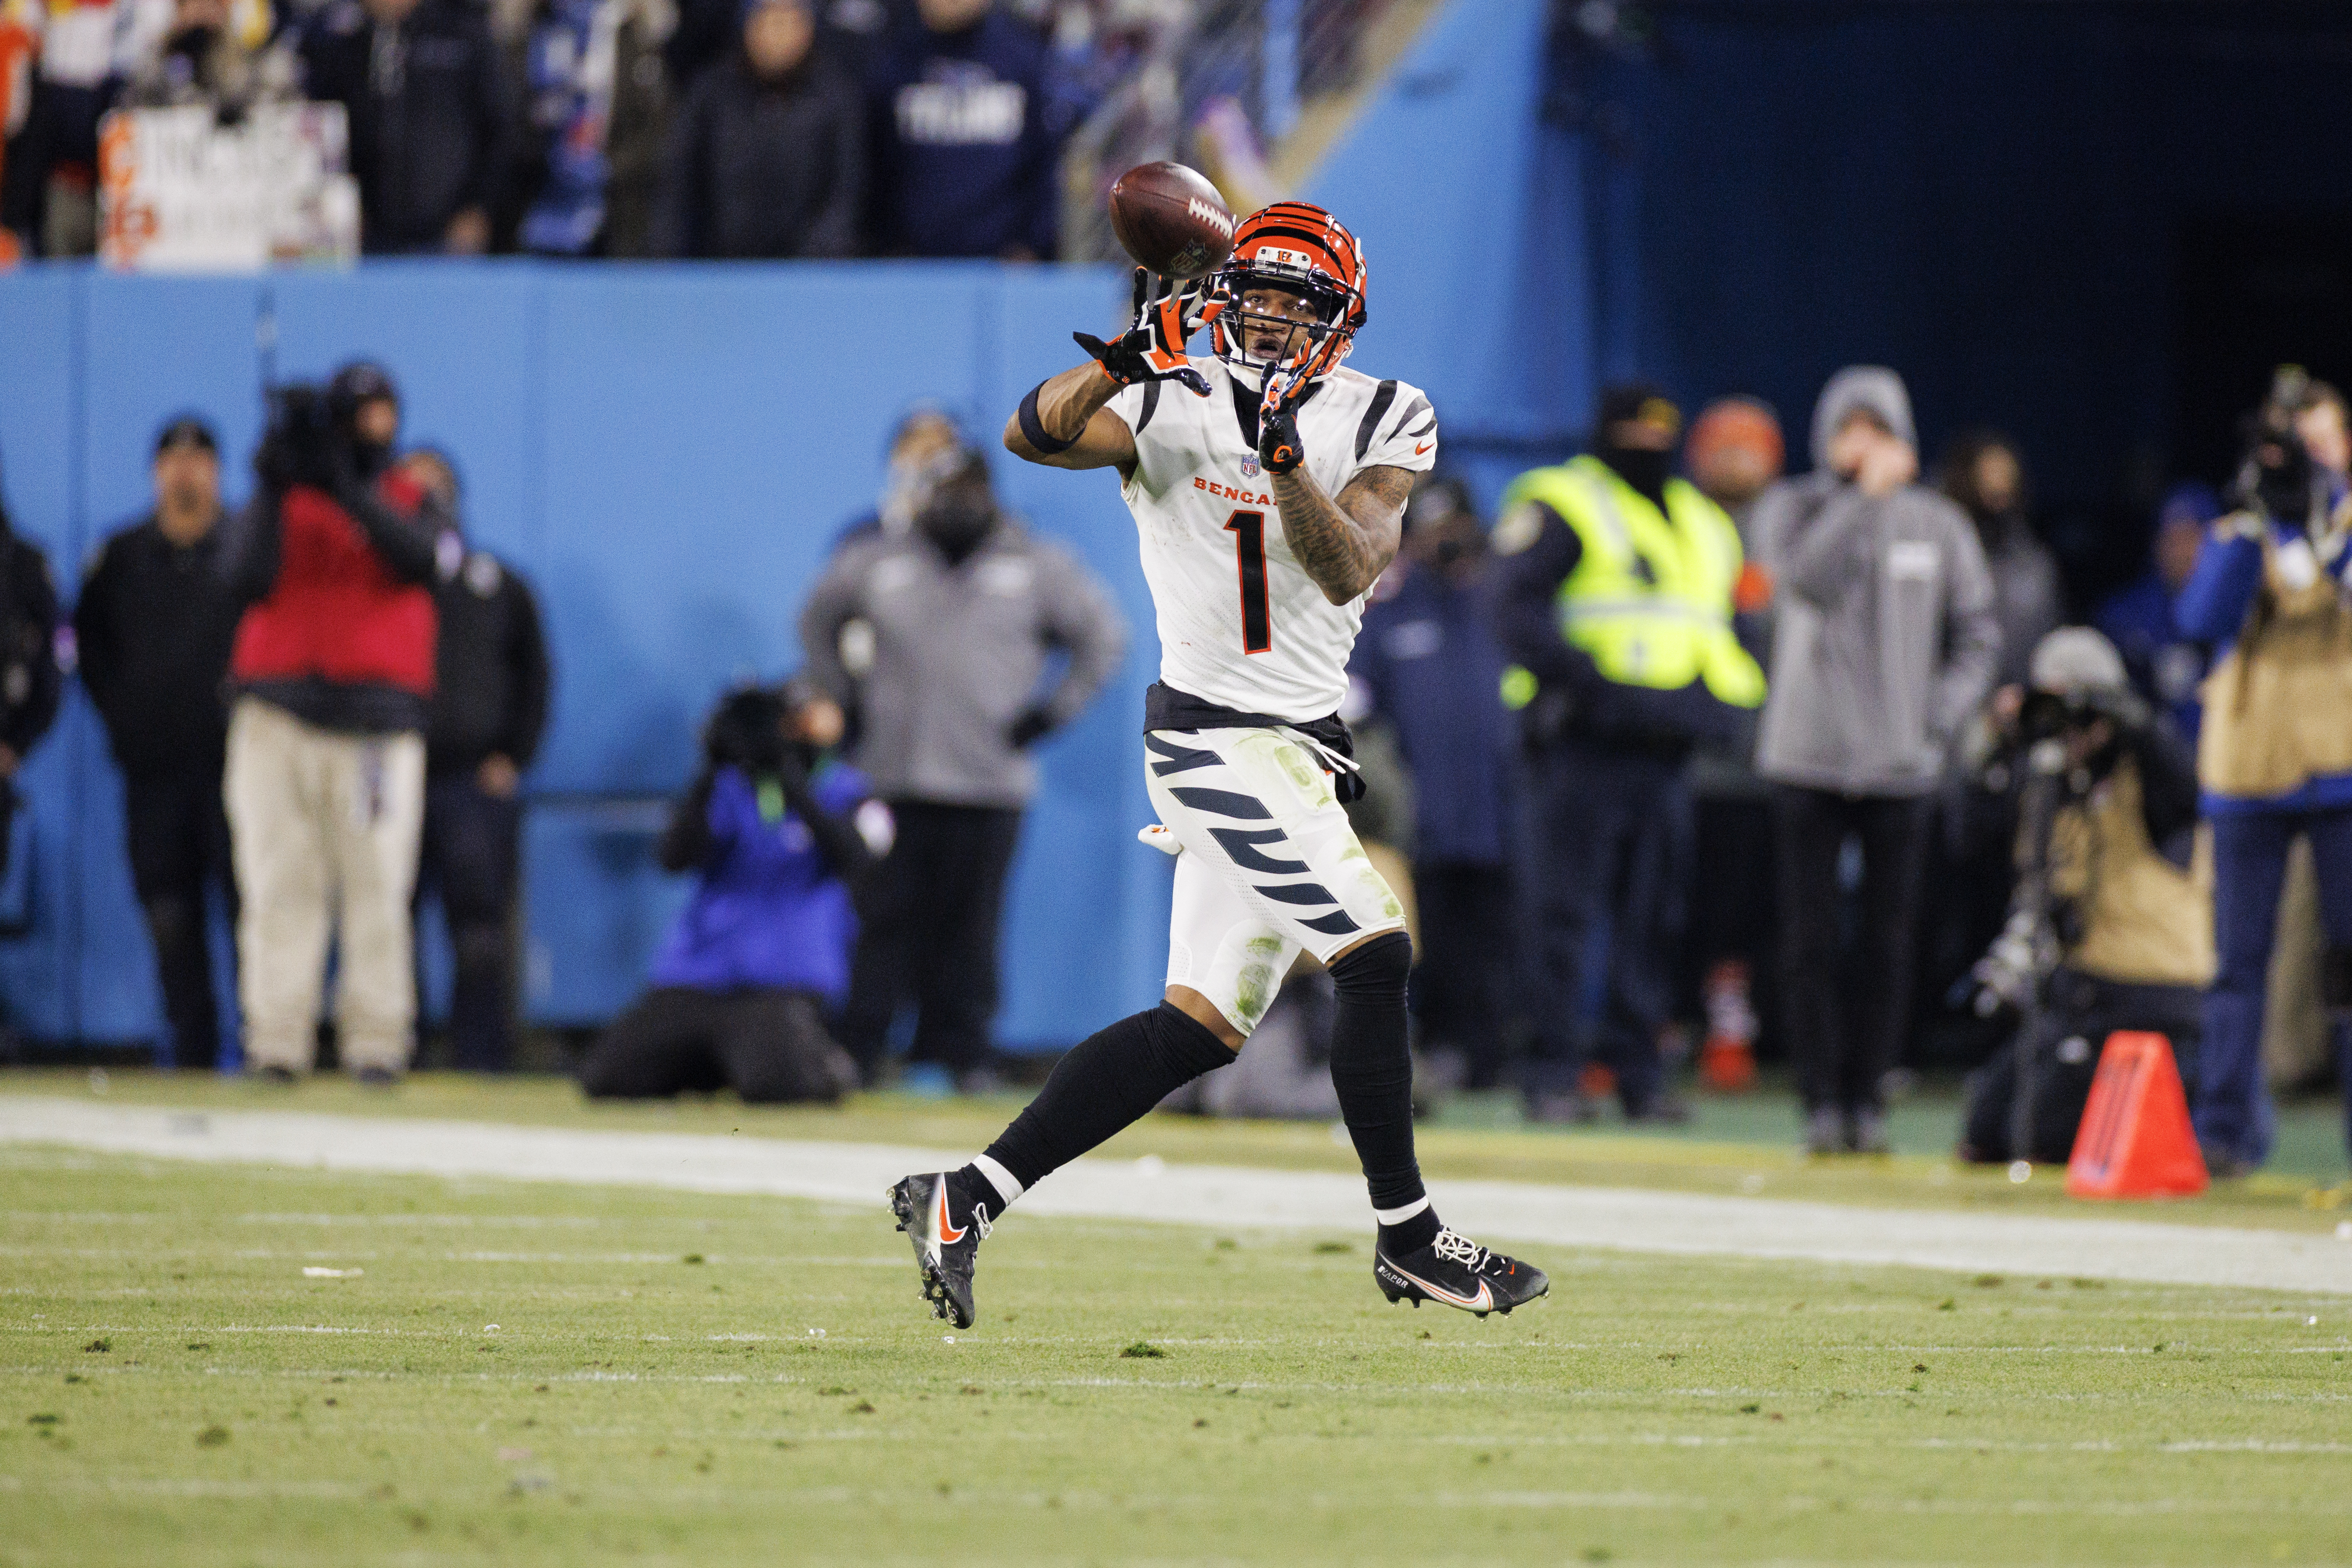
(947, 1234)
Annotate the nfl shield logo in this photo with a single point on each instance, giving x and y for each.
(1249, 466)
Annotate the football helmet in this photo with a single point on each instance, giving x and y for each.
(1298, 246)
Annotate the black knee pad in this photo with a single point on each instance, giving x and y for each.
(2335, 981)
(1375, 972)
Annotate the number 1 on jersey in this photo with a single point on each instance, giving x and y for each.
(1248, 529)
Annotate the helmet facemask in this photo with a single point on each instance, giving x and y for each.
(1325, 338)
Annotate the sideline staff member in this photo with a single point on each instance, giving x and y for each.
(1615, 596)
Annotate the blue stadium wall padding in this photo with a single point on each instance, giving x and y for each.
(668, 453)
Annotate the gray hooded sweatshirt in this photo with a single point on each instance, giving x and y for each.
(1885, 636)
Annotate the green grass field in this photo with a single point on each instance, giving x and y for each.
(683, 1379)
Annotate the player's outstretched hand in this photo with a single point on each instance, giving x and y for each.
(1153, 349)
(1279, 445)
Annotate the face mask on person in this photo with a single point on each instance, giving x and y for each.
(1645, 469)
(957, 519)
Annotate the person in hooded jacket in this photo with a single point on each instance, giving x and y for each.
(332, 562)
(783, 840)
(1983, 475)
(963, 609)
(1885, 638)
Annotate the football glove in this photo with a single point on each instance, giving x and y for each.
(1153, 349)
(1278, 446)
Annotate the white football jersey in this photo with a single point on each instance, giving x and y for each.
(1240, 624)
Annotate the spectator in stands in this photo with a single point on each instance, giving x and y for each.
(2103, 893)
(29, 680)
(215, 58)
(784, 839)
(966, 138)
(2167, 666)
(333, 561)
(2273, 585)
(1428, 665)
(1981, 473)
(490, 706)
(153, 628)
(48, 187)
(1886, 638)
(420, 83)
(767, 158)
(1613, 597)
(596, 117)
(963, 609)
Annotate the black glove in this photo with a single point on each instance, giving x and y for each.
(1031, 725)
(1153, 349)
(1278, 446)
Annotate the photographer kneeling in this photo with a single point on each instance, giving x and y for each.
(784, 840)
(2109, 927)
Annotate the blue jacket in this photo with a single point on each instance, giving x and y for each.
(966, 137)
(2212, 609)
(767, 909)
(1434, 670)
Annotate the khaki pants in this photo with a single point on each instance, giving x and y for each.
(324, 828)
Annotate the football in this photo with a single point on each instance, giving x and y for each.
(1172, 220)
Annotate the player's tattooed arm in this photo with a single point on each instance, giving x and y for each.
(1343, 545)
(1073, 407)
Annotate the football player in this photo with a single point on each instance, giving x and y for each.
(1268, 483)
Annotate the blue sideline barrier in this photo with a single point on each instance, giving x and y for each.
(667, 453)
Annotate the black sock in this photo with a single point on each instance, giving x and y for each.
(1371, 1066)
(1108, 1080)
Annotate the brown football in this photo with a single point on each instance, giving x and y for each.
(1172, 220)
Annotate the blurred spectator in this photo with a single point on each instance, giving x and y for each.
(430, 127)
(922, 434)
(1614, 594)
(29, 681)
(2167, 666)
(597, 117)
(2320, 420)
(48, 187)
(782, 839)
(1981, 471)
(333, 670)
(966, 137)
(2274, 758)
(767, 158)
(153, 628)
(850, 33)
(961, 609)
(1885, 640)
(1734, 453)
(1431, 668)
(490, 707)
(214, 55)
(2109, 929)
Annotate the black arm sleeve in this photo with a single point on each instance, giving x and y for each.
(37, 612)
(533, 677)
(252, 550)
(837, 835)
(2168, 786)
(93, 622)
(409, 546)
(686, 842)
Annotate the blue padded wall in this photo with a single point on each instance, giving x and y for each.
(667, 453)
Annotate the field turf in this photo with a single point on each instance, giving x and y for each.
(674, 1378)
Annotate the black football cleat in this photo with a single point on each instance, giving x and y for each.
(1455, 1272)
(947, 1228)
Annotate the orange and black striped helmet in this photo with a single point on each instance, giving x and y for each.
(1298, 246)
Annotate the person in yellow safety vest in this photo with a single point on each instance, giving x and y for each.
(1613, 598)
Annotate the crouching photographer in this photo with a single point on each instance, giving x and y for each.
(2109, 928)
(784, 841)
(2274, 582)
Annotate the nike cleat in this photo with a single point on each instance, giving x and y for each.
(947, 1228)
(1455, 1272)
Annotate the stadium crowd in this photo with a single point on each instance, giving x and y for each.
(1680, 757)
(615, 128)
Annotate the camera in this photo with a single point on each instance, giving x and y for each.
(299, 447)
(2278, 478)
(747, 730)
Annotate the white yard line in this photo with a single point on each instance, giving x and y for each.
(1616, 1217)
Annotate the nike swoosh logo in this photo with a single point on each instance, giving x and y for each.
(1482, 1302)
(947, 1234)
(1423, 450)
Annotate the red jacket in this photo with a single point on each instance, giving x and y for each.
(337, 611)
